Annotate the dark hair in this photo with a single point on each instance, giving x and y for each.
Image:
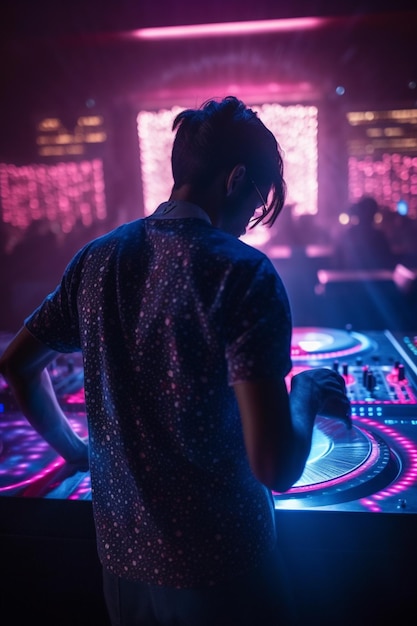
(218, 136)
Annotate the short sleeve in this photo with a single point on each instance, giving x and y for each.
(55, 322)
(259, 328)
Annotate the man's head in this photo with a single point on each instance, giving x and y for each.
(225, 143)
(365, 210)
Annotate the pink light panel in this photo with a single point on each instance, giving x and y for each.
(155, 143)
(190, 31)
(408, 476)
(62, 193)
(294, 126)
(390, 179)
(31, 468)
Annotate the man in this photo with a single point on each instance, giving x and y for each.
(185, 333)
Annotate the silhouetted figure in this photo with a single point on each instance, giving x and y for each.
(360, 290)
(361, 245)
(185, 333)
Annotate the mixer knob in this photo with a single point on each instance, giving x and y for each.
(345, 369)
(335, 366)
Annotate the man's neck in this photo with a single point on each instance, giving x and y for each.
(176, 209)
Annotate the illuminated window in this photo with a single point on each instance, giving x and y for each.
(55, 139)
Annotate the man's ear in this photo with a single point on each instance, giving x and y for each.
(235, 179)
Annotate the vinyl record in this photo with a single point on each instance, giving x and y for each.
(343, 465)
(309, 343)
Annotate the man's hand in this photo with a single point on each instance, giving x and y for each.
(79, 460)
(24, 366)
(325, 389)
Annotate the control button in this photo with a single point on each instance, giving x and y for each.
(401, 372)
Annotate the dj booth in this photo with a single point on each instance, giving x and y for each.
(347, 528)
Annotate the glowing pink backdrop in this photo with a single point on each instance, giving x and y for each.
(62, 193)
(295, 128)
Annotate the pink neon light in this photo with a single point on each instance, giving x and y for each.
(406, 480)
(40, 477)
(231, 28)
(26, 453)
(61, 193)
(389, 179)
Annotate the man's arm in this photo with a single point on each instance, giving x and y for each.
(23, 365)
(278, 426)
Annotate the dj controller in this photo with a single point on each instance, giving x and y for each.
(371, 467)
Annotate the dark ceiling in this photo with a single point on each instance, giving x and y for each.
(56, 56)
(45, 18)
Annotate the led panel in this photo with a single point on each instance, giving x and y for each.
(382, 149)
(295, 128)
(63, 193)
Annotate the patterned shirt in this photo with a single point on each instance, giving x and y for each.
(169, 314)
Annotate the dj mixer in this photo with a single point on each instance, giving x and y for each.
(371, 467)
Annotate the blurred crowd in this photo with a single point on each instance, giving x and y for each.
(32, 261)
(371, 237)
